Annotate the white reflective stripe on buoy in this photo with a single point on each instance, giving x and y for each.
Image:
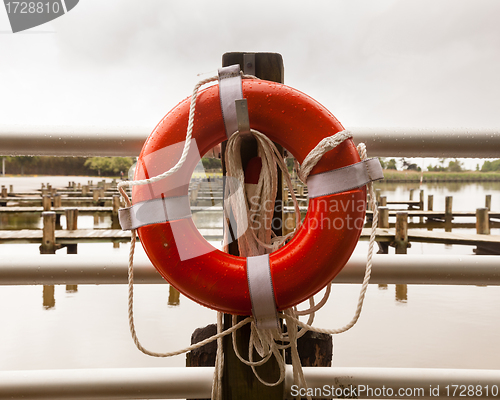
(260, 285)
(343, 179)
(230, 89)
(154, 211)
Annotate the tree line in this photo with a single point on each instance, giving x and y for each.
(115, 166)
(454, 165)
(44, 165)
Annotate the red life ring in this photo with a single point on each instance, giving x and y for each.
(320, 248)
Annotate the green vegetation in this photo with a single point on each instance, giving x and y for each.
(39, 165)
(211, 163)
(434, 176)
(109, 165)
(453, 166)
(42, 165)
(489, 166)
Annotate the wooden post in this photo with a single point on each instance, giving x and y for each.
(203, 356)
(288, 222)
(11, 189)
(448, 213)
(300, 191)
(71, 219)
(430, 202)
(57, 200)
(238, 380)
(421, 199)
(71, 225)
(487, 202)
(383, 201)
(377, 195)
(116, 205)
(49, 236)
(4, 191)
(85, 190)
(383, 217)
(401, 237)
(46, 202)
(482, 221)
(411, 194)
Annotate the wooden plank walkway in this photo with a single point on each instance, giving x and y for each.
(107, 235)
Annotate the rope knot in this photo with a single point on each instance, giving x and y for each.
(325, 145)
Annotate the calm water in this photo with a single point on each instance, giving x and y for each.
(428, 326)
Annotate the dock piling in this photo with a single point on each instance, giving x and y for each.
(482, 221)
(46, 202)
(448, 213)
(487, 202)
(384, 217)
(401, 237)
(48, 245)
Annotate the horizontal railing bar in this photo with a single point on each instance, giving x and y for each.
(128, 141)
(387, 269)
(196, 382)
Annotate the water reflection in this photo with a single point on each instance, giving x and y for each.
(49, 300)
(16, 221)
(401, 293)
(71, 288)
(173, 296)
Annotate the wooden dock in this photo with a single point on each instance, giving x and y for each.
(207, 197)
(110, 235)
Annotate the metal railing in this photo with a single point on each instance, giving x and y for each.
(196, 382)
(84, 269)
(128, 141)
(174, 383)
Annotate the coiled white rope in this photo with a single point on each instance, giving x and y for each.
(264, 342)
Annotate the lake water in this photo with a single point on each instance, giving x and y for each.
(428, 326)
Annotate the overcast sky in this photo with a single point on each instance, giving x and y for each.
(422, 63)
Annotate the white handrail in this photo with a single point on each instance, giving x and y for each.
(172, 383)
(81, 269)
(128, 141)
